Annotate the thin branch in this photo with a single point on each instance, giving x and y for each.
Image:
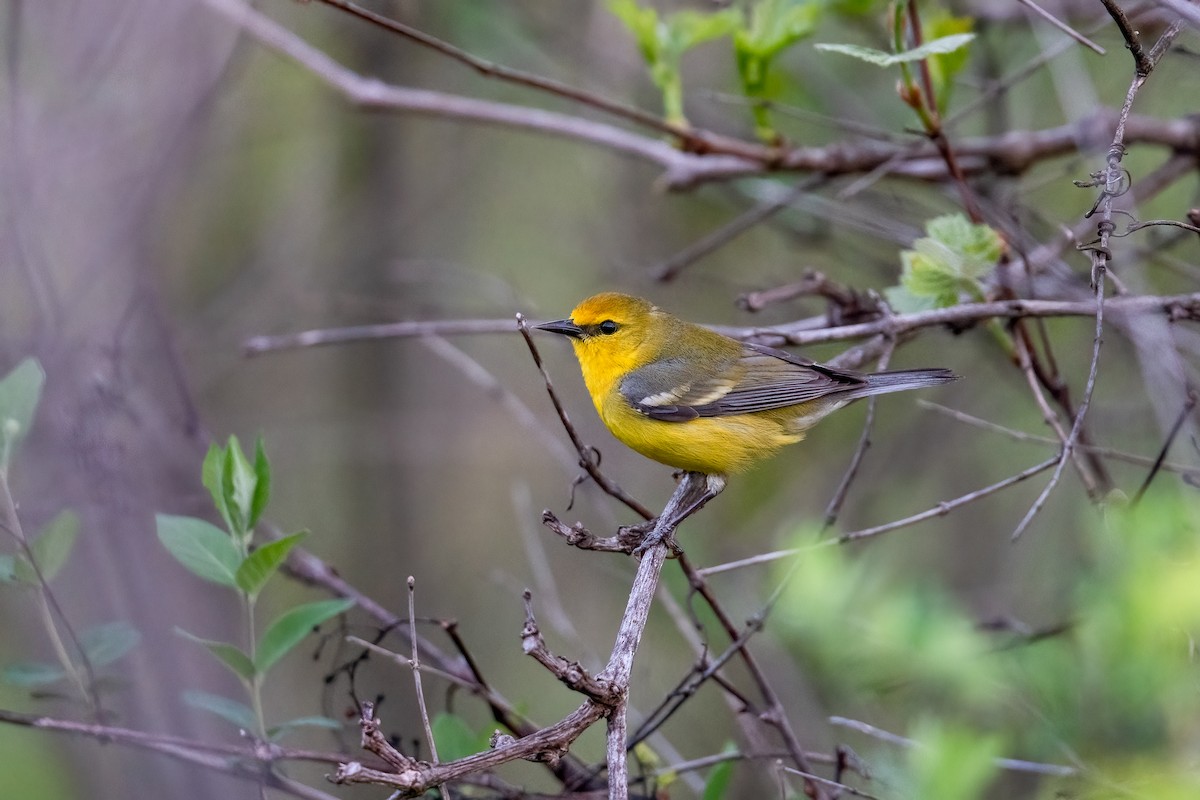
(1188, 404)
(1022, 436)
(416, 671)
(672, 266)
(1011, 764)
(1064, 27)
(1132, 41)
(804, 332)
(587, 457)
(1010, 153)
(242, 761)
(834, 507)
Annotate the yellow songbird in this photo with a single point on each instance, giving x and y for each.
(693, 399)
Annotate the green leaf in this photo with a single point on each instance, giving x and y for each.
(944, 44)
(240, 714)
(203, 548)
(239, 486)
(32, 674)
(277, 732)
(213, 476)
(108, 642)
(8, 569)
(20, 392)
(259, 566)
(454, 738)
(775, 25)
(664, 39)
(944, 67)
(951, 761)
(228, 654)
(50, 548)
(262, 482)
(292, 626)
(717, 784)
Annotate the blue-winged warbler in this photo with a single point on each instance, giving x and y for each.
(696, 400)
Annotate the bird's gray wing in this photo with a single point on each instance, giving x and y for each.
(761, 379)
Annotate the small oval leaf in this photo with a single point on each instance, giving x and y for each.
(260, 565)
(291, 628)
(232, 711)
(106, 643)
(202, 547)
(229, 655)
(32, 674)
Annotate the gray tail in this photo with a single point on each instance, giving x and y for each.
(901, 380)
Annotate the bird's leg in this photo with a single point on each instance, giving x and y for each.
(690, 495)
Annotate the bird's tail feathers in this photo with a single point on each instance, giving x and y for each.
(901, 380)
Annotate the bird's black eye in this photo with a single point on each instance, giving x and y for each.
(608, 327)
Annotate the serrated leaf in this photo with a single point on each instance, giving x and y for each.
(32, 674)
(293, 626)
(50, 548)
(202, 547)
(108, 642)
(229, 655)
(238, 713)
(262, 482)
(454, 738)
(212, 475)
(20, 392)
(944, 44)
(259, 566)
(277, 732)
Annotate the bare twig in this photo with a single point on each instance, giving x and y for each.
(416, 671)
(1188, 404)
(834, 507)
(1022, 436)
(805, 332)
(1012, 764)
(672, 266)
(1064, 27)
(587, 456)
(1112, 182)
(247, 762)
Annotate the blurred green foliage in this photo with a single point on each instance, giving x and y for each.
(1112, 691)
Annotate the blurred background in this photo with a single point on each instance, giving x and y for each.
(171, 189)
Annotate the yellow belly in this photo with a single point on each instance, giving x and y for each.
(712, 445)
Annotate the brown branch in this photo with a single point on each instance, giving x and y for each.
(1010, 153)
(1188, 404)
(412, 777)
(587, 456)
(805, 332)
(1022, 436)
(247, 762)
(1064, 27)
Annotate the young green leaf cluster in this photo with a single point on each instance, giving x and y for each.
(946, 265)
(36, 560)
(762, 30)
(240, 491)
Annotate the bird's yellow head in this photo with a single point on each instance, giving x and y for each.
(614, 333)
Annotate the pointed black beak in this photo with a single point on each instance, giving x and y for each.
(564, 326)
